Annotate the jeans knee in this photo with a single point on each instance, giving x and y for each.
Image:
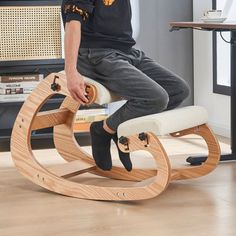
(185, 90)
(159, 103)
(162, 102)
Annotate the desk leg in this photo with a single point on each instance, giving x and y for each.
(228, 157)
(233, 92)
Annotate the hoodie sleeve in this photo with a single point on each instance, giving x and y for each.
(76, 10)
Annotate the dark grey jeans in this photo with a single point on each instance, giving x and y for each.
(147, 86)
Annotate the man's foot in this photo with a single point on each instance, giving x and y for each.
(101, 143)
(124, 157)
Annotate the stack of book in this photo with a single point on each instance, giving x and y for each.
(85, 117)
(16, 88)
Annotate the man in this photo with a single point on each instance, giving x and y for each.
(99, 45)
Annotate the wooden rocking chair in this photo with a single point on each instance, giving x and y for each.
(136, 134)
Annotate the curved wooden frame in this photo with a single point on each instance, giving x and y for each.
(147, 183)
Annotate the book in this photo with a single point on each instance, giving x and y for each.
(81, 127)
(17, 88)
(89, 119)
(13, 98)
(21, 78)
(85, 117)
(90, 115)
(19, 84)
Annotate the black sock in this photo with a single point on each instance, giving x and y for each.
(101, 144)
(124, 157)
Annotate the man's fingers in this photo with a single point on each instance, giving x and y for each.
(82, 94)
(83, 97)
(79, 94)
(77, 98)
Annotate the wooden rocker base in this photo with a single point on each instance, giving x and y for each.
(147, 183)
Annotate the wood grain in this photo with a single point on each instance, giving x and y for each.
(51, 118)
(71, 169)
(202, 25)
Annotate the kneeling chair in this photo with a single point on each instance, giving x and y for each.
(136, 134)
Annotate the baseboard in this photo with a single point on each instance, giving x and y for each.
(220, 129)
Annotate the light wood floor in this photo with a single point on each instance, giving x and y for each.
(203, 207)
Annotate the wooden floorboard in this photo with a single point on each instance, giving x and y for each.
(201, 207)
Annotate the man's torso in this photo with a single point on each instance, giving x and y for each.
(108, 24)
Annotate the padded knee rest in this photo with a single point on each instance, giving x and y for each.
(165, 122)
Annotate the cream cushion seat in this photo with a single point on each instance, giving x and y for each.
(104, 96)
(165, 122)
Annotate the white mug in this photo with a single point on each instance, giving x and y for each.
(212, 14)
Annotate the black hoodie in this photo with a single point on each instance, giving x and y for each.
(105, 23)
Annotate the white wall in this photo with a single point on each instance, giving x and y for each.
(135, 18)
(217, 105)
(223, 49)
(173, 50)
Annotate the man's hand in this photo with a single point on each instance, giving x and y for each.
(76, 87)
